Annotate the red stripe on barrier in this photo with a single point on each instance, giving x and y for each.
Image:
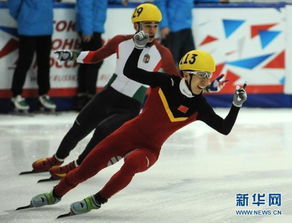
(256, 89)
(55, 92)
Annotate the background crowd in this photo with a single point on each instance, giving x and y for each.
(35, 37)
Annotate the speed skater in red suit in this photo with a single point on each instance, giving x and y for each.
(121, 99)
(173, 103)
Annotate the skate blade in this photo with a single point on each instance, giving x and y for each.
(24, 207)
(47, 180)
(28, 172)
(65, 215)
(32, 172)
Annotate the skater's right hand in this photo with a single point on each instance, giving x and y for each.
(217, 84)
(141, 39)
(239, 96)
(67, 55)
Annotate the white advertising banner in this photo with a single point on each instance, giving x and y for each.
(249, 45)
(288, 81)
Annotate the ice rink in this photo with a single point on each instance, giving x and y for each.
(198, 178)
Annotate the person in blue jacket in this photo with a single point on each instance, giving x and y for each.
(91, 16)
(35, 27)
(176, 26)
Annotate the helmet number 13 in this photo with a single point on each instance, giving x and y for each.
(190, 59)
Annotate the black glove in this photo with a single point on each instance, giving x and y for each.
(67, 55)
(141, 39)
(239, 96)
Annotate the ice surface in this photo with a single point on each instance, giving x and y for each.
(196, 178)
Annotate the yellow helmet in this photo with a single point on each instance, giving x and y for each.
(197, 60)
(146, 12)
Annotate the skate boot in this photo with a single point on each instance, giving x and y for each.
(20, 104)
(44, 199)
(59, 172)
(45, 164)
(47, 103)
(84, 206)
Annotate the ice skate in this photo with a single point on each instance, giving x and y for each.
(82, 207)
(41, 200)
(59, 172)
(47, 104)
(45, 164)
(44, 199)
(20, 105)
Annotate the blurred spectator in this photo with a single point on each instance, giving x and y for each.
(91, 16)
(35, 27)
(176, 26)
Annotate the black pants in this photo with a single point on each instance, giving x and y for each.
(87, 73)
(105, 113)
(179, 43)
(28, 45)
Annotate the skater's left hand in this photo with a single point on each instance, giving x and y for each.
(67, 55)
(141, 39)
(239, 96)
(217, 84)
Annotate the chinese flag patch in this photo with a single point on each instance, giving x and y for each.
(183, 109)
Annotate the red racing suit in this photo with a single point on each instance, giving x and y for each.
(139, 140)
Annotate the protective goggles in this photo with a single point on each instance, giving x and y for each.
(202, 74)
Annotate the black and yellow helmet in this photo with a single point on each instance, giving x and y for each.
(146, 12)
(197, 60)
